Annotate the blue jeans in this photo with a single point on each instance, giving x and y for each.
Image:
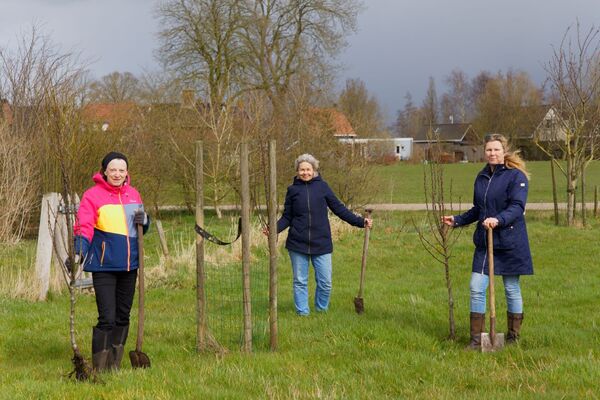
(322, 266)
(512, 290)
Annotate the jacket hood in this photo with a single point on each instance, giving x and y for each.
(99, 181)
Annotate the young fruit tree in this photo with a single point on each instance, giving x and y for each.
(436, 237)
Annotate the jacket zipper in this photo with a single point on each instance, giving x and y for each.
(127, 233)
(309, 215)
(485, 215)
(103, 250)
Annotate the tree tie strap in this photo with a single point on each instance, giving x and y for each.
(212, 238)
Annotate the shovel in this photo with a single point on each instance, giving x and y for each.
(359, 304)
(491, 341)
(138, 358)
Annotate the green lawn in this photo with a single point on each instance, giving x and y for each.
(403, 182)
(397, 349)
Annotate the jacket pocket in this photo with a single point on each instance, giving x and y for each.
(479, 236)
(506, 238)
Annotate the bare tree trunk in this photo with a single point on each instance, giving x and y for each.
(216, 200)
(595, 201)
(571, 187)
(450, 298)
(554, 194)
(583, 210)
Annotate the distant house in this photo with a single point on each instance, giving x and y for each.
(448, 143)
(544, 125)
(392, 148)
(334, 120)
(341, 128)
(111, 116)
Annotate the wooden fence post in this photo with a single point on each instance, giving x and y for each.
(245, 189)
(200, 277)
(163, 239)
(45, 244)
(272, 207)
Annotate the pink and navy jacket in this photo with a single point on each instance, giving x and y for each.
(105, 235)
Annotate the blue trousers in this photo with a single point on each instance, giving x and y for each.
(322, 266)
(512, 290)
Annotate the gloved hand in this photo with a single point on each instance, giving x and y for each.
(140, 218)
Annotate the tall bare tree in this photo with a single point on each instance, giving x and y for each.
(285, 37)
(574, 76)
(200, 40)
(456, 102)
(116, 87)
(430, 106)
(409, 119)
(361, 108)
(505, 103)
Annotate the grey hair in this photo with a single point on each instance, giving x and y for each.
(309, 158)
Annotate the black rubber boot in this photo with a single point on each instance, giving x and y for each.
(102, 355)
(477, 326)
(514, 322)
(119, 337)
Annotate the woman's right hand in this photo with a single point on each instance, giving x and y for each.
(448, 220)
(265, 231)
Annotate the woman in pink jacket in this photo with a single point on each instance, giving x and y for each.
(106, 243)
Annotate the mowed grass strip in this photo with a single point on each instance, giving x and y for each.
(397, 349)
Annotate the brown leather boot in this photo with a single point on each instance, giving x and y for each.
(477, 326)
(514, 322)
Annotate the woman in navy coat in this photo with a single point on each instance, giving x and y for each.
(499, 199)
(309, 239)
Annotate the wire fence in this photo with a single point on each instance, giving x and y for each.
(224, 295)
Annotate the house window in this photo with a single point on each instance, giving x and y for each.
(397, 149)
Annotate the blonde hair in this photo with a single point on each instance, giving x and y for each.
(512, 159)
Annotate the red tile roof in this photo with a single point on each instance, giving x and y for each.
(337, 121)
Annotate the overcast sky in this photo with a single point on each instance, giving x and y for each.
(400, 43)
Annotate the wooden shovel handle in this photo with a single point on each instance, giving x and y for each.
(490, 251)
(364, 255)
(140, 327)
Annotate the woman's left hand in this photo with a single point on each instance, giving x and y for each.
(368, 223)
(490, 223)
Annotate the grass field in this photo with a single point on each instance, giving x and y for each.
(403, 183)
(397, 349)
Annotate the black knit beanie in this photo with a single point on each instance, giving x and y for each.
(113, 155)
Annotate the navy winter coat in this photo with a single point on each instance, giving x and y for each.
(305, 213)
(501, 195)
